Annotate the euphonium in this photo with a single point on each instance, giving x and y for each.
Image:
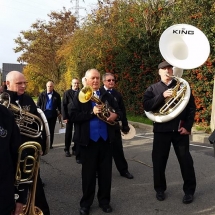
(23, 118)
(86, 94)
(27, 172)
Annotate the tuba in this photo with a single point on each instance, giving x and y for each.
(29, 124)
(86, 94)
(185, 47)
(27, 172)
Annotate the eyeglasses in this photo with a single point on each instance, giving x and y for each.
(22, 83)
(109, 80)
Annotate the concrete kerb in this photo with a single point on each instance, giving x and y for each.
(196, 136)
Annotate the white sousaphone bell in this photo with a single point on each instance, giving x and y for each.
(185, 47)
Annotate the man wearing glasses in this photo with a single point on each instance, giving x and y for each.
(68, 98)
(118, 154)
(16, 86)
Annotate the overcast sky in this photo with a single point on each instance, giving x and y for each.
(18, 15)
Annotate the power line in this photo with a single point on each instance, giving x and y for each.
(77, 9)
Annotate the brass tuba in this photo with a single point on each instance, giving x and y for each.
(179, 45)
(86, 94)
(26, 173)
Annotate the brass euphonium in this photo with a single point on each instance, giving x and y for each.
(86, 94)
(26, 173)
(23, 118)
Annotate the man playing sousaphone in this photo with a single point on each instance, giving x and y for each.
(175, 131)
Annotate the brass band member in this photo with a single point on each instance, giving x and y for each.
(16, 86)
(118, 154)
(67, 98)
(49, 102)
(175, 131)
(95, 139)
(10, 142)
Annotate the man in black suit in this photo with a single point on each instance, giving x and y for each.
(10, 142)
(67, 98)
(49, 102)
(172, 132)
(118, 154)
(95, 137)
(16, 86)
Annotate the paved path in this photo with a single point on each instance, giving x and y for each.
(62, 177)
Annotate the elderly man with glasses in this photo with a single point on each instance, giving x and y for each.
(16, 86)
(118, 154)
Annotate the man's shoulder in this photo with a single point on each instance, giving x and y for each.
(42, 93)
(56, 93)
(117, 92)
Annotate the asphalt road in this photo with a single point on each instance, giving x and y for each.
(62, 178)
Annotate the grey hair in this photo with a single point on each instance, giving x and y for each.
(105, 75)
(87, 72)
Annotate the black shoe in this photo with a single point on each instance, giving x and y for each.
(51, 147)
(106, 208)
(67, 154)
(188, 198)
(78, 161)
(84, 211)
(127, 175)
(160, 196)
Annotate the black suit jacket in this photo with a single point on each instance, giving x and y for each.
(56, 101)
(118, 97)
(67, 98)
(9, 144)
(81, 114)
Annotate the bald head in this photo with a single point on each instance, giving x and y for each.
(16, 82)
(49, 86)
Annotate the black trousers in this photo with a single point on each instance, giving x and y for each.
(160, 154)
(68, 139)
(40, 198)
(97, 156)
(52, 123)
(68, 136)
(118, 154)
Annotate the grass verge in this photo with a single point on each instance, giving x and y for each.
(140, 119)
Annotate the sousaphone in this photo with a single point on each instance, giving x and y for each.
(185, 47)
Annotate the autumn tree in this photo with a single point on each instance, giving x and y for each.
(39, 45)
